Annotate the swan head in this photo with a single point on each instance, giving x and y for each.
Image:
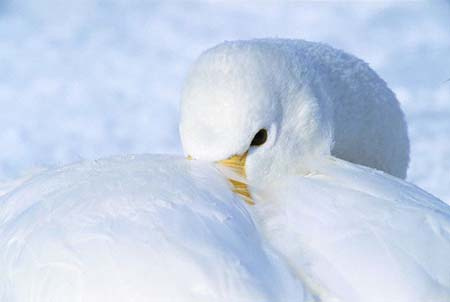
(260, 107)
(248, 99)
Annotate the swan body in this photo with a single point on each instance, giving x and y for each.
(135, 229)
(356, 234)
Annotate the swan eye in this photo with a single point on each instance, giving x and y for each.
(260, 138)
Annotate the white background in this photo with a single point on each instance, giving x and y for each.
(84, 79)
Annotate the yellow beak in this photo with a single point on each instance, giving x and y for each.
(237, 165)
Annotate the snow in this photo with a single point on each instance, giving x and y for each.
(105, 230)
(87, 79)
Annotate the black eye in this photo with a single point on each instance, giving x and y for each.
(260, 138)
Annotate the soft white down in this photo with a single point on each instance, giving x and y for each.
(135, 229)
(354, 234)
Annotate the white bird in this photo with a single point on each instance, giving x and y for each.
(160, 228)
(135, 229)
(298, 121)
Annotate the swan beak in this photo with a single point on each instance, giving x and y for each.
(236, 164)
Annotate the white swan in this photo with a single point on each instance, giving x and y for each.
(135, 229)
(287, 114)
(160, 228)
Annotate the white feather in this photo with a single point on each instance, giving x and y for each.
(135, 229)
(356, 234)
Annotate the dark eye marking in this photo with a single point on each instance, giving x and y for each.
(260, 138)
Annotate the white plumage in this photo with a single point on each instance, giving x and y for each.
(135, 229)
(160, 228)
(356, 234)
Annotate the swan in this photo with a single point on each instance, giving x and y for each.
(317, 145)
(314, 146)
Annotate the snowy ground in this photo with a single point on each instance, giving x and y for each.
(90, 78)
